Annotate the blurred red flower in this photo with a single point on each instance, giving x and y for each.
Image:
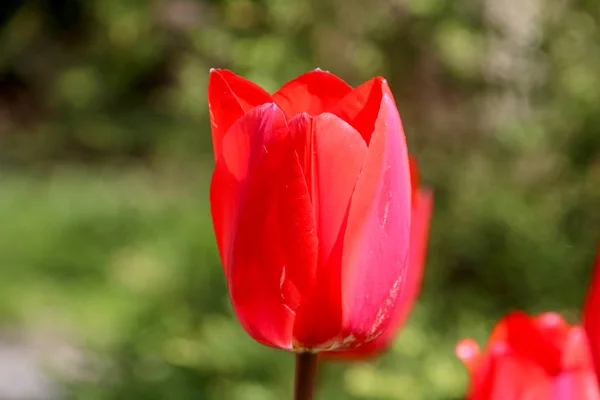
(531, 358)
(538, 358)
(311, 206)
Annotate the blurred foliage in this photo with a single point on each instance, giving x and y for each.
(106, 240)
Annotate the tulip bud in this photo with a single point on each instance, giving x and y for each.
(531, 358)
(311, 206)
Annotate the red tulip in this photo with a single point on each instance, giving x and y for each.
(591, 313)
(422, 205)
(531, 358)
(311, 205)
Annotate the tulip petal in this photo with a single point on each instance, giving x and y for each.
(229, 97)
(591, 313)
(235, 162)
(360, 107)
(331, 154)
(516, 377)
(419, 235)
(313, 92)
(483, 368)
(575, 385)
(540, 342)
(555, 330)
(376, 241)
(576, 354)
(261, 203)
(500, 373)
(469, 352)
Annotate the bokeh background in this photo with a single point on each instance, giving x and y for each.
(110, 283)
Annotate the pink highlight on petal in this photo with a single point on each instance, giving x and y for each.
(468, 351)
(378, 230)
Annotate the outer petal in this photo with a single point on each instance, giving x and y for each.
(501, 374)
(360, 107)
(575, 385)
(422, 207)
(576, 354)
(541, 343)
(271, 258)
(480, 367)
(418, 250)
(469, 352)
(516, 377)
(229, 97)
(495, 373)
(331, 154)
(578, 379)
(421, 215)
(376, 241)
(314, 92)
(236, 161)
(591, 313)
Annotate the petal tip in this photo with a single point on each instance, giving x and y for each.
(213, 71)
(381, 81)
(215, 75)
(467, 351)
(220, 72)
(387, 100)
(270, 106)
(577, 333)
(550, 320)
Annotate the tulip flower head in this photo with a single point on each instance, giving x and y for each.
(311, 207)
(531, 358)
(543, 357)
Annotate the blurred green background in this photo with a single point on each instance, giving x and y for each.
(110, 283)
